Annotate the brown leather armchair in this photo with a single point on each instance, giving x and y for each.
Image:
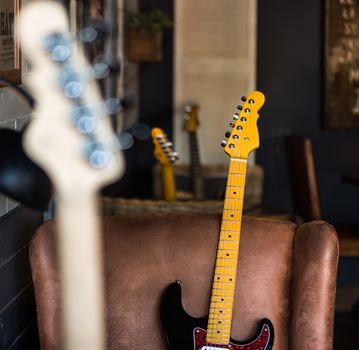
(286, 273)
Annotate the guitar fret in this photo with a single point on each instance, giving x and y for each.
(213, 320)
(228, 250)
(224, 290)
(223, 287)
(223, 294)
(229, 244)
(220, 302)
(225, 274)
(226, 258)
(214, 331)
(229, 283)
(221, 317)
(233, 204)
(223, 309)
(222, 299)
(213, 323)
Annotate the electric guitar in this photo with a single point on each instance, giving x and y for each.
(191, 125)
(70, 137)
(184, 332)
(164, 153)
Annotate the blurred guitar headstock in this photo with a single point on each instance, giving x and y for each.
(163, 148)
(70, 135)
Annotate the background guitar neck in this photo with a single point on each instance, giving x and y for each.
(169, 186)
(195, 167)
(221, 307)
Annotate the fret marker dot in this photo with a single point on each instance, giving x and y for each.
(219, 321)
(234, 192)
(218, 278)
(222, 299)
(227, 254)
(232, 216)
(229, 236)
(220, 311)
(230, 279)
(218, 332)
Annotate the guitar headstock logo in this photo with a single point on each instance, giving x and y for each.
(163, 148)
(244, 136)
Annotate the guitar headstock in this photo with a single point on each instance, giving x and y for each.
(70, 135)
(244, 136)
(163, 148)
(191, 123)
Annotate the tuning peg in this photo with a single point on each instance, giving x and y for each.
(239, 107)
(231, 125)
(244, 98)
(223, 143)
(168, 144)
(235, 116)
(227, 134)
(58, 46)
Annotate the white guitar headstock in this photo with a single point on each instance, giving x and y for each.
(70, 135)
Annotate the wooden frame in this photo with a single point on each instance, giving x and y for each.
(10, 58)
(341, 76)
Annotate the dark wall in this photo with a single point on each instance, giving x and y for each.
(290, 48)
(18, 326)
(155, 109)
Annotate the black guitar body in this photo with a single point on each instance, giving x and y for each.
(184, 332)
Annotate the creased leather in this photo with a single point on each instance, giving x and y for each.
(284, 274)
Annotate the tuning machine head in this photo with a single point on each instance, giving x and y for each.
(243, 137)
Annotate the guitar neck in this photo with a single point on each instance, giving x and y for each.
(221, 307)
(169, 186)
(81, 272)
(196, 170)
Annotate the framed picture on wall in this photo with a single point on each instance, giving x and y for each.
(10, 60)
(341, 61)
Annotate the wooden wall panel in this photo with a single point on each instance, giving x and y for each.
(215, 64)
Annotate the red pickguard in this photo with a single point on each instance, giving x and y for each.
(259, 343)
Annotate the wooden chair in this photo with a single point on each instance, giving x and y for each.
(305, 193)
